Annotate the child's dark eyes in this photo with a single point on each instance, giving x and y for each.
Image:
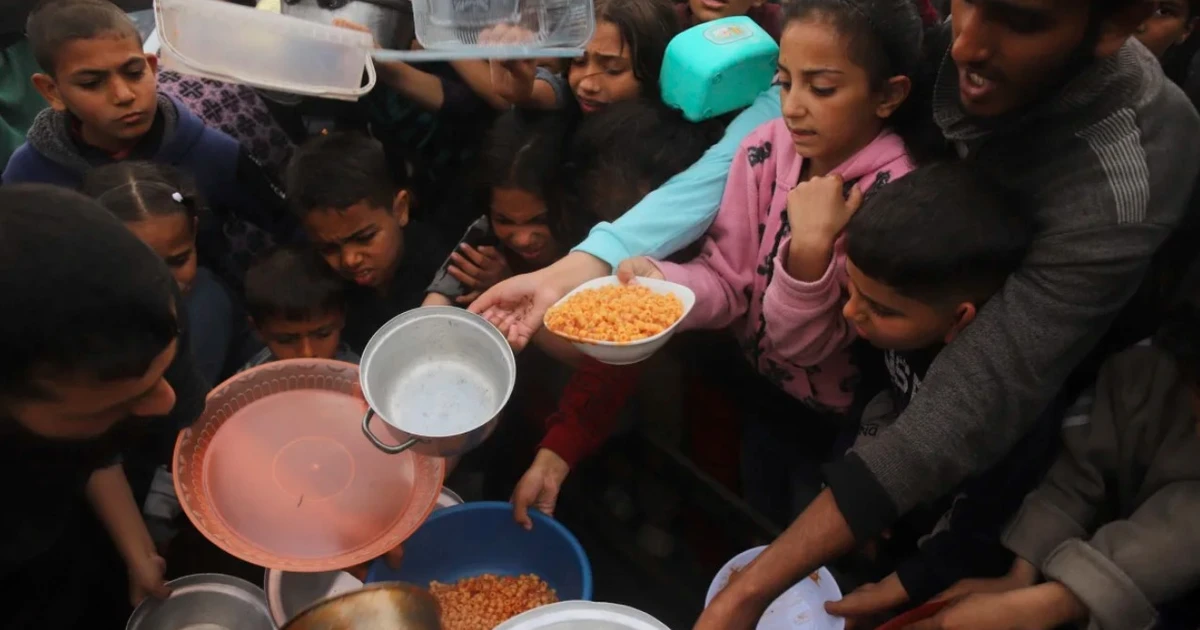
(822, 91)
(882, 311)
(364, 238)
(176, 262)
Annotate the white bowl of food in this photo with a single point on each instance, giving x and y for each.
(620, 324)
(801, 607)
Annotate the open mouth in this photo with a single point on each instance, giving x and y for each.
(974, 86)
(589, 106)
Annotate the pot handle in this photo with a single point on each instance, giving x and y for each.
(386, 448)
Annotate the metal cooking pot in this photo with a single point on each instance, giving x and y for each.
(384, 18)
(205, 600)
(390, 605)
(439, 377)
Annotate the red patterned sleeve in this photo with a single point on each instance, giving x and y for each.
(589, 409)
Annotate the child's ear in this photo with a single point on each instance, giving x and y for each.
(48, 88)
(400, 207)
(964, 314)
(895, 91)
(1120, 26)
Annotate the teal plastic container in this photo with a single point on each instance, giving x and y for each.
(718, 67)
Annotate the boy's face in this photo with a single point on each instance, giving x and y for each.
(314, 338)
(109, 84)
(82, 407)
(709, 10)
(1010, 53)
(520, 223)
(1169, 25)
(891, 321)
(364, 242)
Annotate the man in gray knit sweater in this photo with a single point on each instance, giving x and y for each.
(1054, 97)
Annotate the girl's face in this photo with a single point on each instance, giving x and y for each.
(173, 237)
(604, 74)
(1170, 24)
(709, 10)
(828, 103)
(520, 222)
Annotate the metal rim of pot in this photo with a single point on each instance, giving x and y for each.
(399, 321)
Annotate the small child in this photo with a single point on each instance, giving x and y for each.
(357, 218)
(768, 15)
(922, 257)
(521, 168)
(772, 268)
(161, 206)
(297, 306)
(105, 108)
(1112, 530)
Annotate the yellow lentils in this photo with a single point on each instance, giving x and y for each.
(614, 313)
(486, 601)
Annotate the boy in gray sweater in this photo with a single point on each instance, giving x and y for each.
(1113, 529)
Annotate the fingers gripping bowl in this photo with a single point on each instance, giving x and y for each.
(620, 324)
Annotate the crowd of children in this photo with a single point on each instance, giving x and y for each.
(951, 243)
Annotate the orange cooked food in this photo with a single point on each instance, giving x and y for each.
(486, 601)
(616, 313)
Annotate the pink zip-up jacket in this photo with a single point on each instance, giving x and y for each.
(792, 332)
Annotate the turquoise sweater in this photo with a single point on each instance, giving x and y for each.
(679, 212)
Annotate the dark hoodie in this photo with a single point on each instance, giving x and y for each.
(235, 187)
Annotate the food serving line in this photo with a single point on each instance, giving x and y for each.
(309, 467)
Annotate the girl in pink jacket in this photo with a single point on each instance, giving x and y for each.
(772, 267)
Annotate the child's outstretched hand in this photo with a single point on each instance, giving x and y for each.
(511, 78)
(869, 604)
(146, 578)
(539, 487)
(638, 267)
(817, 209)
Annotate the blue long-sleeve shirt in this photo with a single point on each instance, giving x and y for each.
(680, 211)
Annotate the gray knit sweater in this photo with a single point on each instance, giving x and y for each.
(1117, 519)
(1109, 161)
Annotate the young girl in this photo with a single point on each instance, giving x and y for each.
(523, 154)
(621, 62)
(772, 266)
(160, 206)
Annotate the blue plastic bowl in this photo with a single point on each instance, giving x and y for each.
(475, 538)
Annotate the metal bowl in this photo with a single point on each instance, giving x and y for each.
(438, 376)
(391, 606)
(207, 601)
(289, 593)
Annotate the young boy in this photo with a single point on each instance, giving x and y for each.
(923, 256)
(357, 218)
(96, 374)
(1113, 528)
(105, 107)
(297, 305)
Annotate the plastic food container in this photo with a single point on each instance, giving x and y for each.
(718, 67)
(452, 29)
(629, 352)
(801, 607)
(583, 616)
(232, 43)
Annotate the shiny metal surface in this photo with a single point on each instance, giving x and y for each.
(206, 601)
(277, 473)
(438, 377)
(385, 606)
